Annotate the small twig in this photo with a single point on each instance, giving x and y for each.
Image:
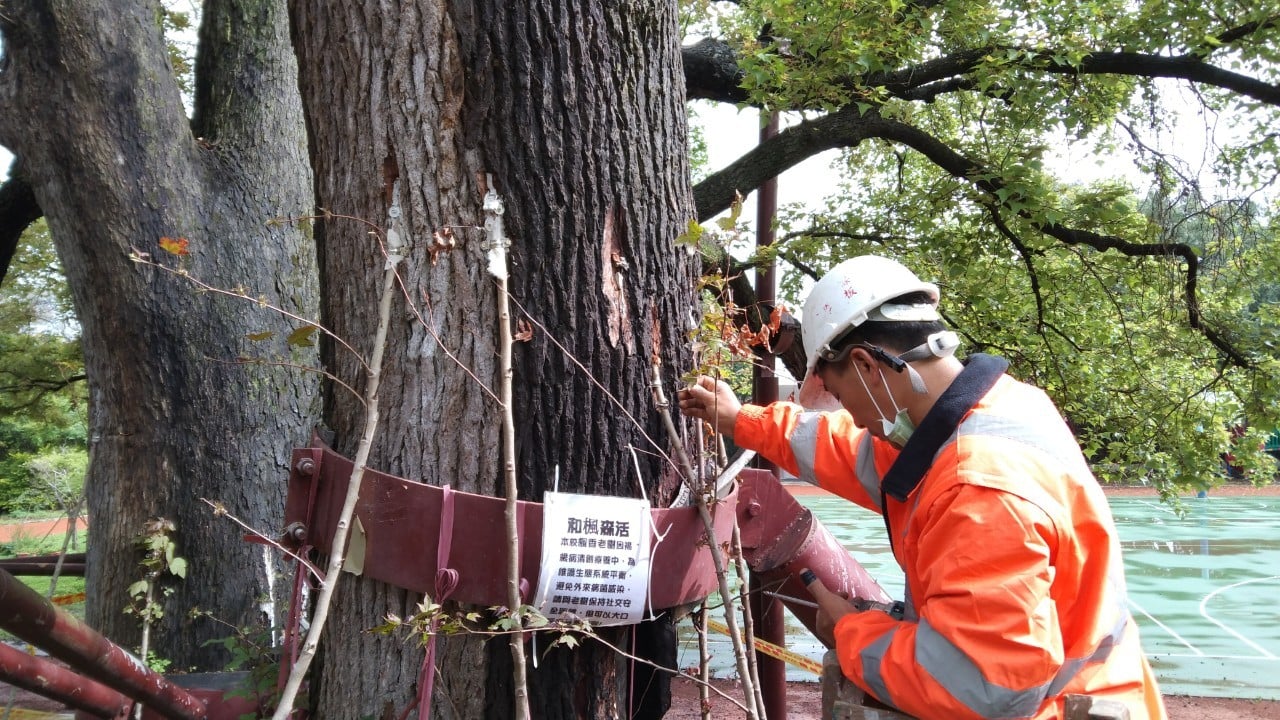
(703, 683)
(440, 343)
(792, 600)
(221, 510)
(242, 294)
(704, 662)
(621, 408)
(748, 622)
(293, 366)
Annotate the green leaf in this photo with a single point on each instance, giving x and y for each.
(302, 337)
(178, 567)
(693, 232)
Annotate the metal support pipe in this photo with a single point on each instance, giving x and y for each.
(50, 558)
(779, 542)
(29, 616)
(51, 680)
(40, 568)
(766, 611)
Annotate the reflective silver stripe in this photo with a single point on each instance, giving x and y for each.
(1030, 428)
(951, 668)
(865, 469)
(871, 657)
(1072, 667)
(804, 444)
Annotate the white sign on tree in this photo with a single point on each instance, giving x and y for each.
(595, 558)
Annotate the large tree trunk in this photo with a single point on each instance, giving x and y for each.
(574, 112)
(87, 100)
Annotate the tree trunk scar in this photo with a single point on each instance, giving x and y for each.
(613, 270)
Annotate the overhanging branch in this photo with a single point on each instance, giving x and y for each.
(964, 168)
(848, 127)
(929, 79)
(845, 128)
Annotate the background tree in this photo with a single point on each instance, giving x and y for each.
(91, 109)
(42, 393)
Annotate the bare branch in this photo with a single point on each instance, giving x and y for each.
(848, 127)
(961, 167)
(844, 128)
(947, 74)
(1233, 34)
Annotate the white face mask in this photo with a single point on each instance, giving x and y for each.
(898, 430)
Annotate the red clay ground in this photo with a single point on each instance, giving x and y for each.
(36, 529)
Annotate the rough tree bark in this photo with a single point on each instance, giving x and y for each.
(89, 105)
(575, 110)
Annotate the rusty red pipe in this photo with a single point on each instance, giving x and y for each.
(780, 537)
(41, 568)
(29, 616)
(43, 677)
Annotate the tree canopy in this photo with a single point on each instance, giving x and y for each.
(1143, 303)
(42, 393)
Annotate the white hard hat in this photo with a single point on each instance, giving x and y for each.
(856, 291)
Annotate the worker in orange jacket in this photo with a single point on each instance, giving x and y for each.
(1015, 590)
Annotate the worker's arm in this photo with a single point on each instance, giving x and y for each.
(711, 401)
(987, 641)
(817, 447)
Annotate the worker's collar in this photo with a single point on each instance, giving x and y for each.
(978, 377)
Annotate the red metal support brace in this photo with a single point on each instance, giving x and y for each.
(780, 537)
(51, 680)
(29, 616)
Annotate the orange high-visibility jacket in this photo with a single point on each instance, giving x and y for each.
(1015, 590)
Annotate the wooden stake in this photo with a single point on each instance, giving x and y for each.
(717, 559)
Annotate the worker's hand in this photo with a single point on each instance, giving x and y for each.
(831, 607)
(712, 401)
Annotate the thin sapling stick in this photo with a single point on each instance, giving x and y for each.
(730, 615)
(498, 268)
(337, 553)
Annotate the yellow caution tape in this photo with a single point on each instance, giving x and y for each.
(776, 651)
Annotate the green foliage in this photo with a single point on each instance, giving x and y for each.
(42, 394)
(250, 650)
(159, 562)
(177, 27)
(432, 618)
(43, 543)
(1152, 365)
(55, 480)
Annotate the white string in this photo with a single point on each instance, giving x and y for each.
(653, 547)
